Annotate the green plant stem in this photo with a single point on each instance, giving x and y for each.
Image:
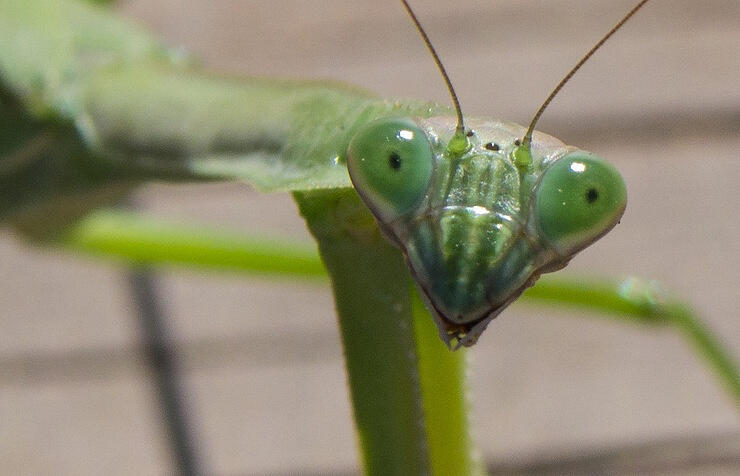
(707, 345)
(444, 386)
(128, 237)
(642, 301)
(372, 296)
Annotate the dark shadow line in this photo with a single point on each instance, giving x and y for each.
(107, 362)
(655, 126)
(698, 453)
(161, 361)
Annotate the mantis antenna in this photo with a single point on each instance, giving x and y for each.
(460, 143)
(527, 141)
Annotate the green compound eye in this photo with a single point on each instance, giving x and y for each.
(580, 197)
(390, 163)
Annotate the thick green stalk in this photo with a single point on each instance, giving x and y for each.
(444, 387)
(372, 296)
(408, 389)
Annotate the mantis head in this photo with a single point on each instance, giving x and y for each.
(476, 228)
(480, 216)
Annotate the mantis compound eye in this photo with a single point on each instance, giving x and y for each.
(390, 162)
(579, 198)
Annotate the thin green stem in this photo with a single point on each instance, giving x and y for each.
(642, 301)
(707, 345)
(127, 237)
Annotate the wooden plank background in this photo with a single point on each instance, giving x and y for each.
(264, 370)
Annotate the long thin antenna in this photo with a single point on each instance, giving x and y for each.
(460, 126)
(527, 141)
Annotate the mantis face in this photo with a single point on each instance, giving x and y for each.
(478, 228)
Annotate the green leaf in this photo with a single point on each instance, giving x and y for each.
(132, 110)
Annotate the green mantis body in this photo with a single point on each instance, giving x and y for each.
(91, 96)
(296, 136)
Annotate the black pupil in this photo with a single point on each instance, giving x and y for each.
(592, 195)
(394, 160)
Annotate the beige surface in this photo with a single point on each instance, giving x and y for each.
(263, 361)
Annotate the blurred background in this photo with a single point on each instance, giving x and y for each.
(554, 390)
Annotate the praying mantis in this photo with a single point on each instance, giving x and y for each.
(215, 164)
